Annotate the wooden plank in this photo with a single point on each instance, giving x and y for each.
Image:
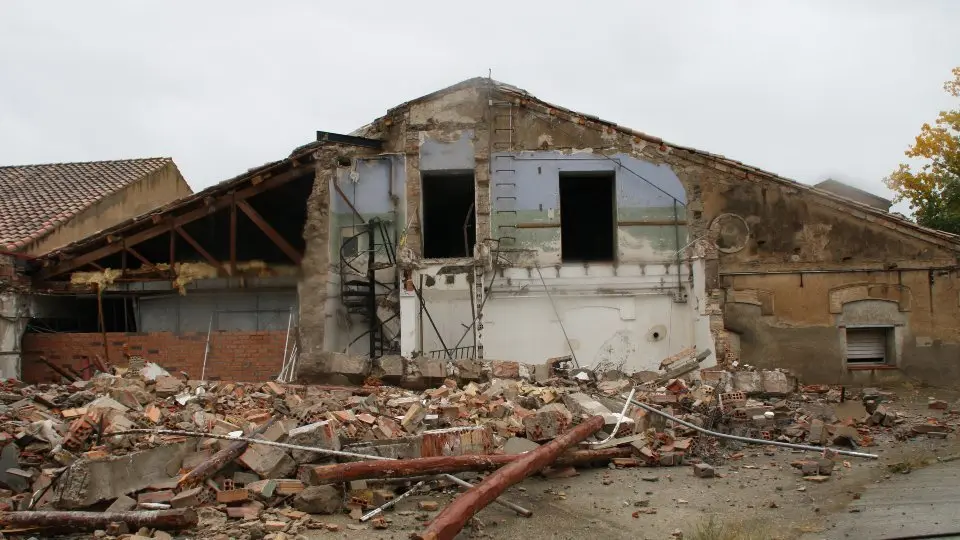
(196, 245)
(271, 233)
(220, 203)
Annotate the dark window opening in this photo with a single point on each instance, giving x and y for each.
(868, 345)
(588, 223)
(449, 215)
(80, 315)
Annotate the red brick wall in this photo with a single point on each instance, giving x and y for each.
(234, 356)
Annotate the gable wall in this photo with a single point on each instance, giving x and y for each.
(774, 235)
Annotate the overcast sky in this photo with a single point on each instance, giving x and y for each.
(805, 89)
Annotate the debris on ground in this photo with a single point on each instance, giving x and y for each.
(127, 442)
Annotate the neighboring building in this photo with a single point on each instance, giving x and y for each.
(856, 194)
(45, 207)
(481, 222)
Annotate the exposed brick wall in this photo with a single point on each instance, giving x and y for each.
(234, 356)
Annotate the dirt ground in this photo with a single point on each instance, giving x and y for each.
(758, 496)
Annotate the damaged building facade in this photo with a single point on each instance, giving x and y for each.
(481, 223)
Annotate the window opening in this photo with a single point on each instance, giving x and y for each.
(588, 224)
(449, 215)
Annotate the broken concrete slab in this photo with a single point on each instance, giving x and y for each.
(548, 423)
(327, 366)
(518, 445)
(318, 435)
(319, 500)
(268, 461)
(88, 482)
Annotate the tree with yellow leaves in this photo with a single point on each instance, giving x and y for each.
(932, 188)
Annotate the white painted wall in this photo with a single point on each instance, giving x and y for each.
(626, 317)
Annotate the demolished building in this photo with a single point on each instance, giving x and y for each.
(481, 223)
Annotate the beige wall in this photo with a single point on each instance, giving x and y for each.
(156, 189)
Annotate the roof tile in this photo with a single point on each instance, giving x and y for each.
(35, 199)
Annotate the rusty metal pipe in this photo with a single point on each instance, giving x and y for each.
(371, 470)
(453, 518)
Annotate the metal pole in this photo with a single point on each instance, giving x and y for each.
(286, 342)
(748, 439)
(392, 502)
(206, 350)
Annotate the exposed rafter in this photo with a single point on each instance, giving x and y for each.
(166, 223)
(196, 245)
(271, 233)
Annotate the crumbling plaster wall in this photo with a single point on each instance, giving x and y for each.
(645, 293)
(764, 226)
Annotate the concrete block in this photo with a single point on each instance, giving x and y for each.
(402, 448)
(91, 481)
(469, 370)
(748, 382)
(168, 386)
(817, 433)
(777, 383)
(319, 500)
(518, 445)
(122, 504)
(268, 461)
(318, 435)
(392, 367)
(329, 366)
(581, 404)
(547, 423)
(432, 368)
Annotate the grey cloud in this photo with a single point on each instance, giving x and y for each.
(804, 89)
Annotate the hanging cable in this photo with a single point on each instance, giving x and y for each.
(557, 313)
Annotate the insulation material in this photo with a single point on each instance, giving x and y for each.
(101, 279)
(190, 271)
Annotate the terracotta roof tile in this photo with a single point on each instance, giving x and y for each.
(35, 199)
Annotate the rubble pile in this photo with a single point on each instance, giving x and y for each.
(69, 446)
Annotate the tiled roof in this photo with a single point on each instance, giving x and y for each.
(35, 199)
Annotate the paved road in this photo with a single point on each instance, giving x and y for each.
(923, 503)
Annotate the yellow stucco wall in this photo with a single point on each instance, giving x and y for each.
(153, 190)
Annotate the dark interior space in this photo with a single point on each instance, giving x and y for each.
(79, 314)
(449, 216)
(588, 222)
(284, 208)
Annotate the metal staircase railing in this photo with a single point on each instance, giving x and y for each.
(360, 291)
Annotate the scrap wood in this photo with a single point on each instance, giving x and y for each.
(369, 470)
(181, 518)
(452, 519)
(220, 460)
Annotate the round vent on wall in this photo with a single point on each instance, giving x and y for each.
(730, 232)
